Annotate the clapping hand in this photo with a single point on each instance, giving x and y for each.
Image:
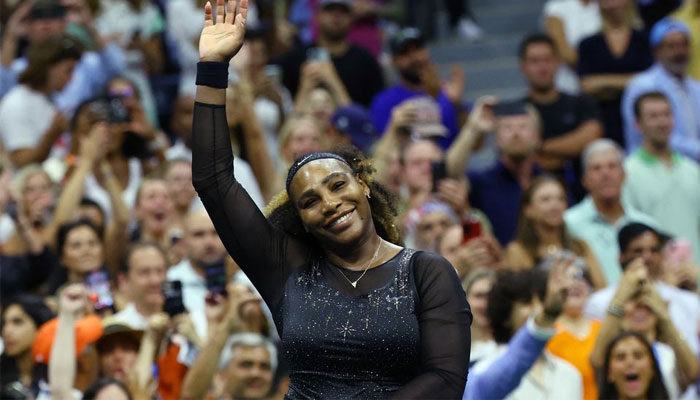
(222, 36)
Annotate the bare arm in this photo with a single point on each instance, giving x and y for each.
(62, 362)
(480, 122)
(572, 143)
(116, 236)
(555, 29)
(605, 86)
(40, 152)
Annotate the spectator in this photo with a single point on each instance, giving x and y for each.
(424, 224)
(352, 125)
(576, 334)
(568, 22)
(142, 281)
(107, 389)
(467, 253)
(202, 247)
(569, 122)
(638, 241)
(320, 93)
(299, 136)
(47, 18)
(496, 191)
(609, 59)
(418, 78)
(21, 319)
(117, 348)
(30, 121)
(154, 211)
(477, 286)
(137, 25)
(178, 175)
(630, 355)
(689, 14)
(637, 307)
(80, 252)
(522, 321)
(181, 126)
(670, 41)
(669, 171)
(356, 67)
(598, 218)
(246, 363)
(542, 231)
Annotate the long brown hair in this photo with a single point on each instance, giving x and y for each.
(45, 54)
(526, 234)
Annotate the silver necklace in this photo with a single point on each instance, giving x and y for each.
(354, 283)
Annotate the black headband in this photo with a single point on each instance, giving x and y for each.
(300, 162)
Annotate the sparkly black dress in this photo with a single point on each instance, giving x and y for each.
(402, 333)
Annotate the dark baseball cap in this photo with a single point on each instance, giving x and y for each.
(406, 39)
(347, 4)
(355, 122)
(47, 9)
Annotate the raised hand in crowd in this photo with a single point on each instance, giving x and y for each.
(454, 192)
(481, 121)
(561, 277)
(315, 73)
(454, 87)
(14, 30)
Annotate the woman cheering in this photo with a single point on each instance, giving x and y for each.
(358, 316)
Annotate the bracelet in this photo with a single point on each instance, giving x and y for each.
(212, 74)
(616, 311)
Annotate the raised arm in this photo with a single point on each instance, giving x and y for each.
(480, 122)
(264, 253)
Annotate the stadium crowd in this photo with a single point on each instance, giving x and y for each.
(114, 282)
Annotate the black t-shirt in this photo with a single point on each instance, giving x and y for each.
(595, 58)
(357, 68)
(560, 117)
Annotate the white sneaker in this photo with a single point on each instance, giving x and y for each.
(469, 30)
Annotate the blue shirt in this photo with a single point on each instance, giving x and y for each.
(385, 101)
(90, 75)
(684, 96)
(496, 192)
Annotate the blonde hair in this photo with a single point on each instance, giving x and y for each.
(290, 126)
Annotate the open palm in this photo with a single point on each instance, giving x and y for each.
(223, 34)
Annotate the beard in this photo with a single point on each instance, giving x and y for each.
(411, 76)
(334, 35)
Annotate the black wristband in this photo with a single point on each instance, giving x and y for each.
(212, 74)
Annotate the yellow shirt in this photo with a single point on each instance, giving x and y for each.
(576, 352)
(689, 13)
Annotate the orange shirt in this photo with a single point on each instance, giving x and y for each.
(576, 352)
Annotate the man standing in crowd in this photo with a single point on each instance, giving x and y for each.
(569, 122)
(496, 191)
(418, 77)
(660, 182)
(356, 67)
(641, 244)
(670, 40)
(202, 247)
(598, 218)
(142, 281)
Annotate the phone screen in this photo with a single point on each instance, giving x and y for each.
(439, 170)
(99, 288)
(216, 277)
(172, 292)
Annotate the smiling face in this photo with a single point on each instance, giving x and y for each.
(82, 252)
(547, 204)
(249, 374)
(332, 202)
(18, 331)
(154, 207)
(631, 368)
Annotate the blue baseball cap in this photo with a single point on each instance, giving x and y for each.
(353, 120)
(665, 27)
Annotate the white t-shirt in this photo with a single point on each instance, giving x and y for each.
(25, 116)
(580, 20)
(97, 193)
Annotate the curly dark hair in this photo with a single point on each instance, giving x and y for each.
(607, 390)
(508, 288)
(282, 213)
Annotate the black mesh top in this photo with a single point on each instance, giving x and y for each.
(402, 333)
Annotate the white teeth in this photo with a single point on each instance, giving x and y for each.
(341, 219)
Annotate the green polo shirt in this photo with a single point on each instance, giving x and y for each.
(669, 194)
